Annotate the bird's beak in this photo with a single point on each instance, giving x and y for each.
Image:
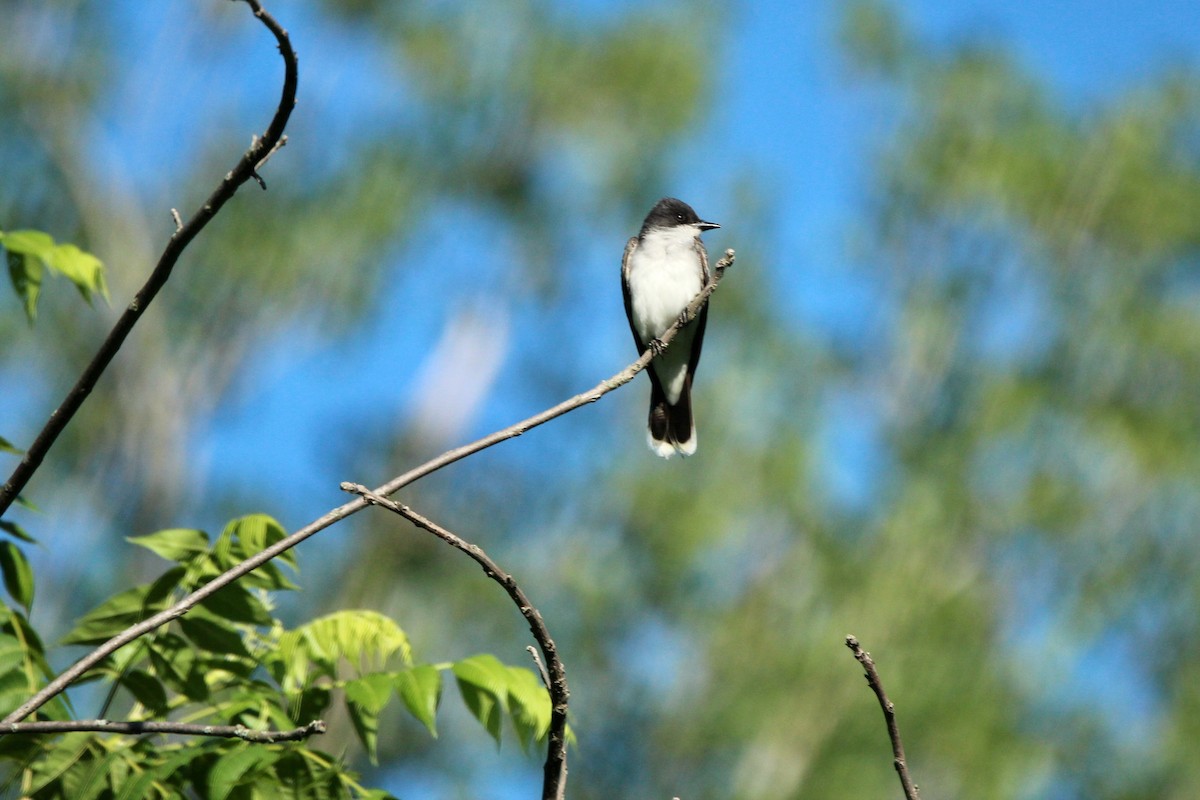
(707, 226)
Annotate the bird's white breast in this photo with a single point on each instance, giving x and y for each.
(664, 276)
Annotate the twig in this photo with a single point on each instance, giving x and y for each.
(555, 773)
(72, 673)
(889, 714)
(149, 727)
(182, 237)
(537, 660)
(592, 395)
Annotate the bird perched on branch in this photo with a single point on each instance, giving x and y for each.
(664, 268)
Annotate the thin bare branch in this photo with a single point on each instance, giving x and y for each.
(149, 727)
(555, 772)
(72, 673)
(537, 660)
(889, 715)
(262, 148)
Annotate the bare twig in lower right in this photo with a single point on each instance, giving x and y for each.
(889, 715)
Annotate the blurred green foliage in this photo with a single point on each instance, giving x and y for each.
(1024, 567)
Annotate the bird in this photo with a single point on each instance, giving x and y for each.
(665, 266)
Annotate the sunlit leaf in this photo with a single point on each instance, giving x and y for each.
(28, 242)
(366, 697)
(483, 683)
(176, 544)
(421, 690)
(31, 252)
(365, 639)
(529, 705)
(82, 269)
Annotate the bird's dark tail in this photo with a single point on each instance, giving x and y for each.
(671, 428)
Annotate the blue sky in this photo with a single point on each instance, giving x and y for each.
(784, 104)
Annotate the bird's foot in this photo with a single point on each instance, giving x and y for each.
(657, 347)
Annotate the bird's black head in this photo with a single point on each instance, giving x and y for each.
(671, 213)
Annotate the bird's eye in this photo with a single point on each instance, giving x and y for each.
(679, 217)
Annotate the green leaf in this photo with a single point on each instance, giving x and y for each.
(31, 252)
(172, 658)
(147, 689)
(257, 705)
(529, 705)
(12, 654)
(236, 604)
(13, 622)
(115, 615)
(175, 544)
(25, 502)
(421, 690)
(257, 532)
(372, 692)
(483, 683)
(360, 637)
(82, 269)
(87, 779)
(28, 242)
(25, 272)
(162, 587)
(139, 787)
(14, 681)
(16, 531)
(304, 777)
(58, 759)
(213, 635)
(365, 698)
(8, 447)
(313, 702)
(233, 767)
(18, 575)
(247, 536)
(119, 768)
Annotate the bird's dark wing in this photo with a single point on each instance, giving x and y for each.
(629, 248)
(702, 316)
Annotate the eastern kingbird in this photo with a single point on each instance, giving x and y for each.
(664, 268)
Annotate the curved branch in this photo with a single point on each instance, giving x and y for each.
(555, 773)
(262, 149)
(889, 715)
(72, 673)
(182, 728)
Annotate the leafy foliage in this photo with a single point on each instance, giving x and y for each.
(229, 661)
(32, 253)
